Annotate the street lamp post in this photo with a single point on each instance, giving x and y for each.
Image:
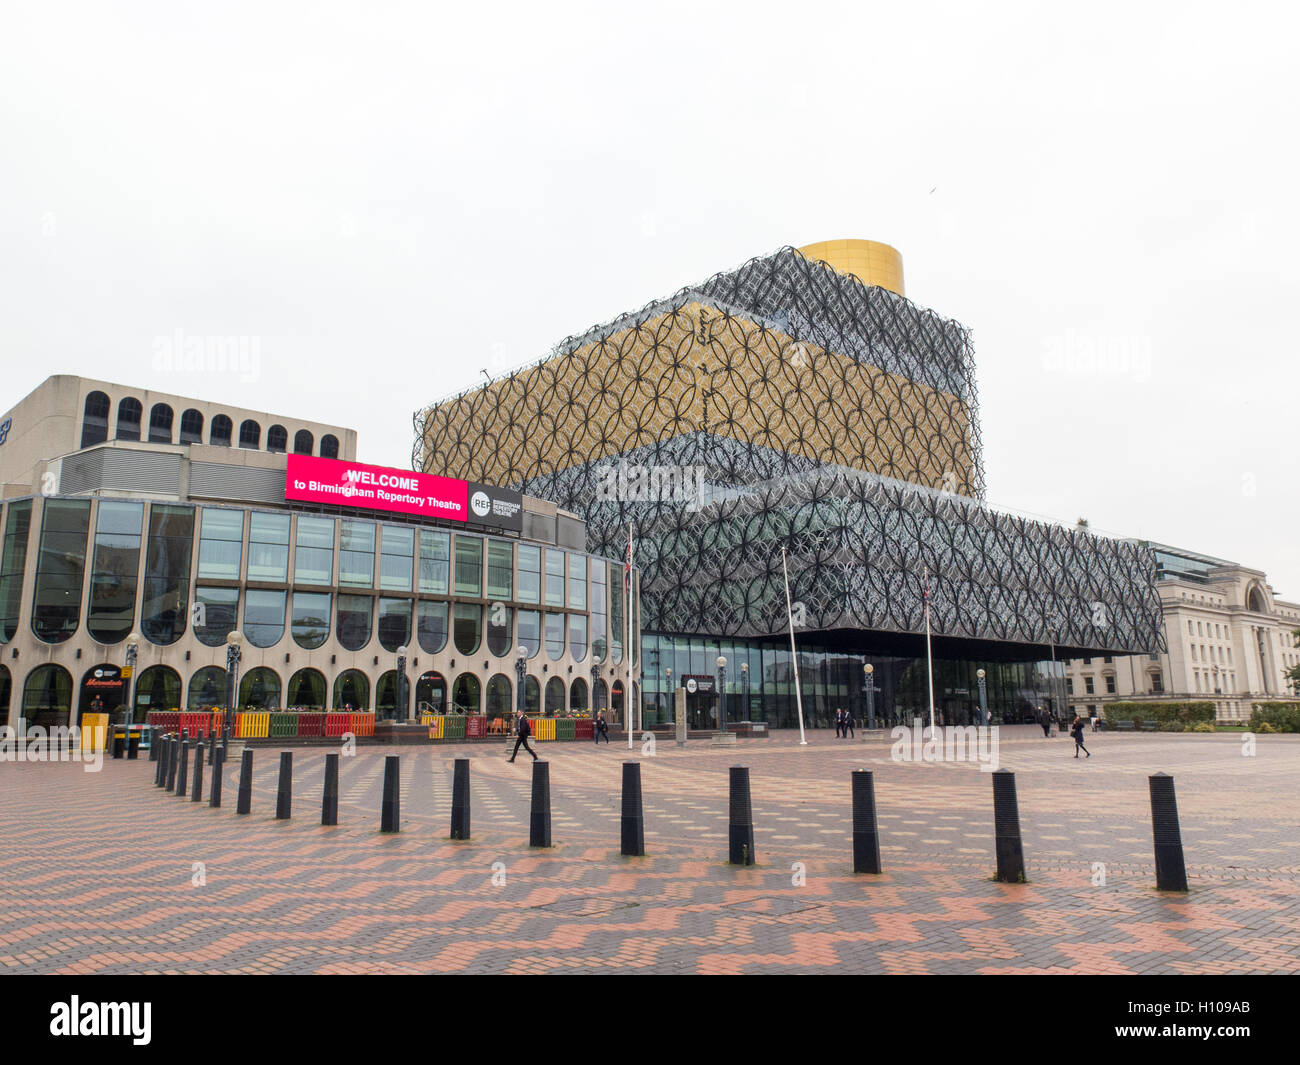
(672, 703)
(132, 649)
(744, 690)
(869, 671)
(234, 652)
(984, 698)
(400, 708)
(521, 670)
(722, 692)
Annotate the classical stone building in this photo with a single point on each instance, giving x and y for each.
(1230, 639)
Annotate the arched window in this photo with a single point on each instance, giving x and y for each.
(329, 446)
(499, 696)
(500, 625)
(94, 419)
(578, 696)
(351, 688)
(306, 689)
(310, 621)
(264, 616)
(160, 424)
(115, 569)
(260, 689)
(532, 696)
(219, 434)
(354, 621)
(431, 626)
(208, 688)
(47, 693)
(129, 413)
(466, 694)
(303, 442)
(191, 427)
(277, 439)
(386, 694)
(554, 696)
(6, 692)
(250, 434)
(60, 569)
(394, 623)
(158, 688)
(467, 627)
(431, 693)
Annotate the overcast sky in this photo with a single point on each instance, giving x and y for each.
(386, 198)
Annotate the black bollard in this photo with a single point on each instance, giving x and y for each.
(132, 747)
(284, 791)
(1171, 873)
(866, 836)
(197, 794)
(245, 802)
(633, 820)
(212, 745)
(741, 829)
(160, 763)
(460, 799)
(173, 750)
(153, 747)
(185, 734)
(1006, 828)
(183, 768)
(218, 764)
(329, 804)
(390, 815)
(539, 820)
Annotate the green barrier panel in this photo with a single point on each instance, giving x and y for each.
(284, 726)
(564, 728)
(453, 727)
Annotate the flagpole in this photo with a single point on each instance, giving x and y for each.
(794, 655)
(627, 610)
(929, 660)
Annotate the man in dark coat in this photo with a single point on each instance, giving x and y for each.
(522, 731)
(839, 723)
(848, 724)
(1045, 719)
(602, 726)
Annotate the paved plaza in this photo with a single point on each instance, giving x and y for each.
(102, 872)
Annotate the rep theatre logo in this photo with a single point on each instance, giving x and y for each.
(113, 1019)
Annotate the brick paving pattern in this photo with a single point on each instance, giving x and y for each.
(97, 870)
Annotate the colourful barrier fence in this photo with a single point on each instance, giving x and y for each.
(254, 725)
(564, 728)
(475, 727)
(337, 724)
(584, 729)
(435, 726)
(94, 732)
(543, 728)
(362, 724)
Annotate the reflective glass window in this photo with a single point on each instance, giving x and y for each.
(310, 620)
(469, 565)
(221, 536)
(357, 554)
(394, 623)
(616, 612)
(13, 563)
(554, 578)
(530, 631)
(354, 621)
(432, 626)
(160, 424)
(129, 413)
(264, 617)
(60, 569)
(500, 625)
(599, 621)
(268, 547)
(500, 569)
(165, 608)
(191, 427)
(250, 434)
(313, 557)
(467, 627)
(216, 614)
(398, 554)
(219, 434)
(94, 419)
(578, 636)
(277, 439)
(435, 561)
(530, 574)
(329, 447)
(577, 582)
(303, 442)
(555, 636)
(114, 570)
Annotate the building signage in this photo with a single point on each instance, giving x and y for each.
(355, 484)
(697, 683)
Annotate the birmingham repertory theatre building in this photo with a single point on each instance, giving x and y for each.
(801, 405)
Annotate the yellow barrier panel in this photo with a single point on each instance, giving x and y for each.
(435, 726)
(94, 732)
(543, 728)
(254, 726)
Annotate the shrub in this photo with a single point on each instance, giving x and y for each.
(1265, 728)
(1283, 717)
(1182, 714)
(1202, 726)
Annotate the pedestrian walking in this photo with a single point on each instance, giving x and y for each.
(839, 723)
(848, 724)
(522, 731)
(1076, 730)
(602, 727)
(1045, 719)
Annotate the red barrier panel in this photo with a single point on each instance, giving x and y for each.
(199, 724)
(584, 729)
(337, 724)
(475, 726)
(164, 720)
(311, 724)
